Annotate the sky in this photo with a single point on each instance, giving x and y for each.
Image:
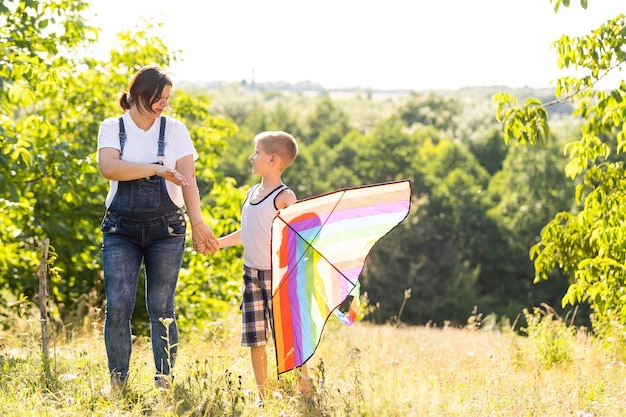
(389, 45)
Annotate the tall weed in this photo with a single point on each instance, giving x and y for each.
(549, 336)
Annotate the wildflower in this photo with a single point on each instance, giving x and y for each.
(354, 353)
(166, 321)
(67, 377)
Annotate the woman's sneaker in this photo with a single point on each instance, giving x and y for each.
(118, 382)
(163, 381)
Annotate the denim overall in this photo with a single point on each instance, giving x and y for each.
(141, 224)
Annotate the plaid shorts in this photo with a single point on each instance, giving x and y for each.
(256, 306)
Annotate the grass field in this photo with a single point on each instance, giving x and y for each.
(363, 370)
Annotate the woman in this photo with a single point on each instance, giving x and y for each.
(149, 160)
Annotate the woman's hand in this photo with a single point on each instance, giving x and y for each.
(204, 241)
(172, 175)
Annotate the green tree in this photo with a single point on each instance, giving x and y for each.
(490, 151)
(430, 109)
(42, 164)
(327, 120)
(52, 101)
(524, 196)
(316, 169)
(435, 252)
(587, 245)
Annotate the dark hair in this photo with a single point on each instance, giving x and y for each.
(145, 88)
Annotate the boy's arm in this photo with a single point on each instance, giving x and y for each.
(234, 238)
(231, 239)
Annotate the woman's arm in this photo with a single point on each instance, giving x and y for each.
(116, 169)
(200, 232)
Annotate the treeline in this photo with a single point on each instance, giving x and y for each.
(478, 204)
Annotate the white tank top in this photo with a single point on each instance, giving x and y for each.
(256, 227)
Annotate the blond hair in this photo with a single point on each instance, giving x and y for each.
(280, 143)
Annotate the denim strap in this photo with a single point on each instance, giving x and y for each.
(161, 152)
(122, 136)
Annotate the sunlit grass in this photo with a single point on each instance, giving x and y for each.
(363, 370)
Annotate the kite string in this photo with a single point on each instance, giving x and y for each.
(309, 244)
(318, 231)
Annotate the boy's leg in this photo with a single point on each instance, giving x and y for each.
(303, 381)
(259, 365)
(254, 313)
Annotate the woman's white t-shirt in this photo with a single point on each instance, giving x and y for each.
(143, 147)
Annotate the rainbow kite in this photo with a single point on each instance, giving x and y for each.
(319, 247)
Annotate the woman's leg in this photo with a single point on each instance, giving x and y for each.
(121, 261)
(163, 261)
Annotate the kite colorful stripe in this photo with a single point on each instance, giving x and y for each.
(319, 248)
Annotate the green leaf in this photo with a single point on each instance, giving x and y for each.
(21, 95)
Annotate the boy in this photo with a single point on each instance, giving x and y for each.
(273, 152)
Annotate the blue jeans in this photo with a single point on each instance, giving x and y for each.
(160, 243)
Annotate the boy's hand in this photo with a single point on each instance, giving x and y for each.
(204, 241)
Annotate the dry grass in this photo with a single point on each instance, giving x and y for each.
(364, 370)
